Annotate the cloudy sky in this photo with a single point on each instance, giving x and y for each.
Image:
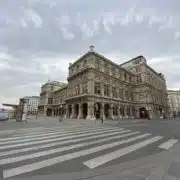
(38, 38)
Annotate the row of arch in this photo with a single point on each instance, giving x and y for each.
(73, 111)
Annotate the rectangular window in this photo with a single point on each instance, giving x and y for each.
(106, 90)
(132, 98)
(113, 92)
(77, 68)
(130, 79)
(139, 79)
(126, 95)
(85, 63)
(97, 64)
(121, 93)
(125, 76)
(50, 100)
(113, 72)
(97, 88)
(84, 88)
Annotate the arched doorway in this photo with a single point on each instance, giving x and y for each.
(57, 112)
(85, 110)
(115, 111)
(76, 110)
(69, 111)
(97, 108)
(143, 113)
(122, 111)
(178, 113)
(106, 110)
(60, 111)
(160, 111)
(49, 112)
(133, 112)
(128, 111)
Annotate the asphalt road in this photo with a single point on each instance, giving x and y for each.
(50, 147)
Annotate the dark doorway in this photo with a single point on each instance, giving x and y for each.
(160, 111)
(122, 111)
(97, 108)
(178, 113)
(49, 112)
(69, 111)
(85, 110)
(143, 113)
(106, 110)
(115, 111)
(76, 110)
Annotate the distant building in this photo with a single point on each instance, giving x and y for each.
(174, 102)
(32, 104)
(97, 87)
(47, 95)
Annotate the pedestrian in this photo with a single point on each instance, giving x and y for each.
(174, 115)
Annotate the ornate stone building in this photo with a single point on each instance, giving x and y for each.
(174, 102)
(98, 87)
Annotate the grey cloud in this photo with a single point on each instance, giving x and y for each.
(50, 37)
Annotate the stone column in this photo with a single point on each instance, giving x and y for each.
(90, 113)
(45, 110)
(118, 112)
(80, 115)
(73, 115)
(125, 112)
(137, 112)
(111, 116)
(131, 113)
(150, 114)
(102, 111)
(66, 115)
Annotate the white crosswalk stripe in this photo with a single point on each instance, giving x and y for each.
(44, 147)
(168, 144)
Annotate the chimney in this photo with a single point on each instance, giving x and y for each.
(91, 48)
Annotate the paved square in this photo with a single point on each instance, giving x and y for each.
(72, 147)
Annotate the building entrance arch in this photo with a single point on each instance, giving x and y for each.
(85, 110)
(76, 110)
(143, 113)
(106, 110)
(49, 112)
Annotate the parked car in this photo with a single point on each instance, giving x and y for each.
(4, 116)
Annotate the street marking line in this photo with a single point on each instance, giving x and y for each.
(168, 144)
(73, 135)
(41, 136)
(52, 161)
(100, 160)
(44, 131)
(53, 130)
(18, 130)
(28, 130)
(66, 142)
(61, 149)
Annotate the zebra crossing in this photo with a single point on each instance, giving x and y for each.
(28, 150)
